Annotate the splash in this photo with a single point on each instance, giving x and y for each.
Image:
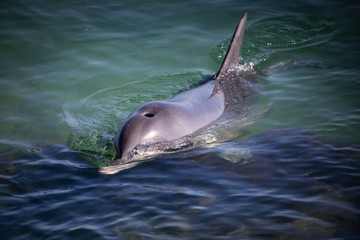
(246, 67)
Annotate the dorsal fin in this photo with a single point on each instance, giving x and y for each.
(233, 53)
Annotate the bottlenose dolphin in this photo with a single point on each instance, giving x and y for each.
(211, 112)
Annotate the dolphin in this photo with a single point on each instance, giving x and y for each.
(211, 112)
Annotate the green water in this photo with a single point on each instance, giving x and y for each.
(72, 71)
(81, 68)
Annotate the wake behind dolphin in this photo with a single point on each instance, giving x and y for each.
(213, 112)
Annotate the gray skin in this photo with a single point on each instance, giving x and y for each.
(171, 119)
(187, 115)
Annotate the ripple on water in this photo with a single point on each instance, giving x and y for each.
(301, 186)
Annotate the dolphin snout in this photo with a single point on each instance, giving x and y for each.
(117, 161)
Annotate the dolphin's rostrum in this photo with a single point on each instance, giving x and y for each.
(211, 112)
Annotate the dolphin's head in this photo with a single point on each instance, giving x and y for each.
(135, 131)
(149, 124)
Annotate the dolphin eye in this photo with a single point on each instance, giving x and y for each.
(149, 115)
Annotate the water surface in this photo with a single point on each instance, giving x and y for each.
(71, 72)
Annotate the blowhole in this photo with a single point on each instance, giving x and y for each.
(149, 115)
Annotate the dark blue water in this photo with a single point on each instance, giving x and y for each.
(71, 72)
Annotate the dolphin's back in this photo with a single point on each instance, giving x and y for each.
(186, 112)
